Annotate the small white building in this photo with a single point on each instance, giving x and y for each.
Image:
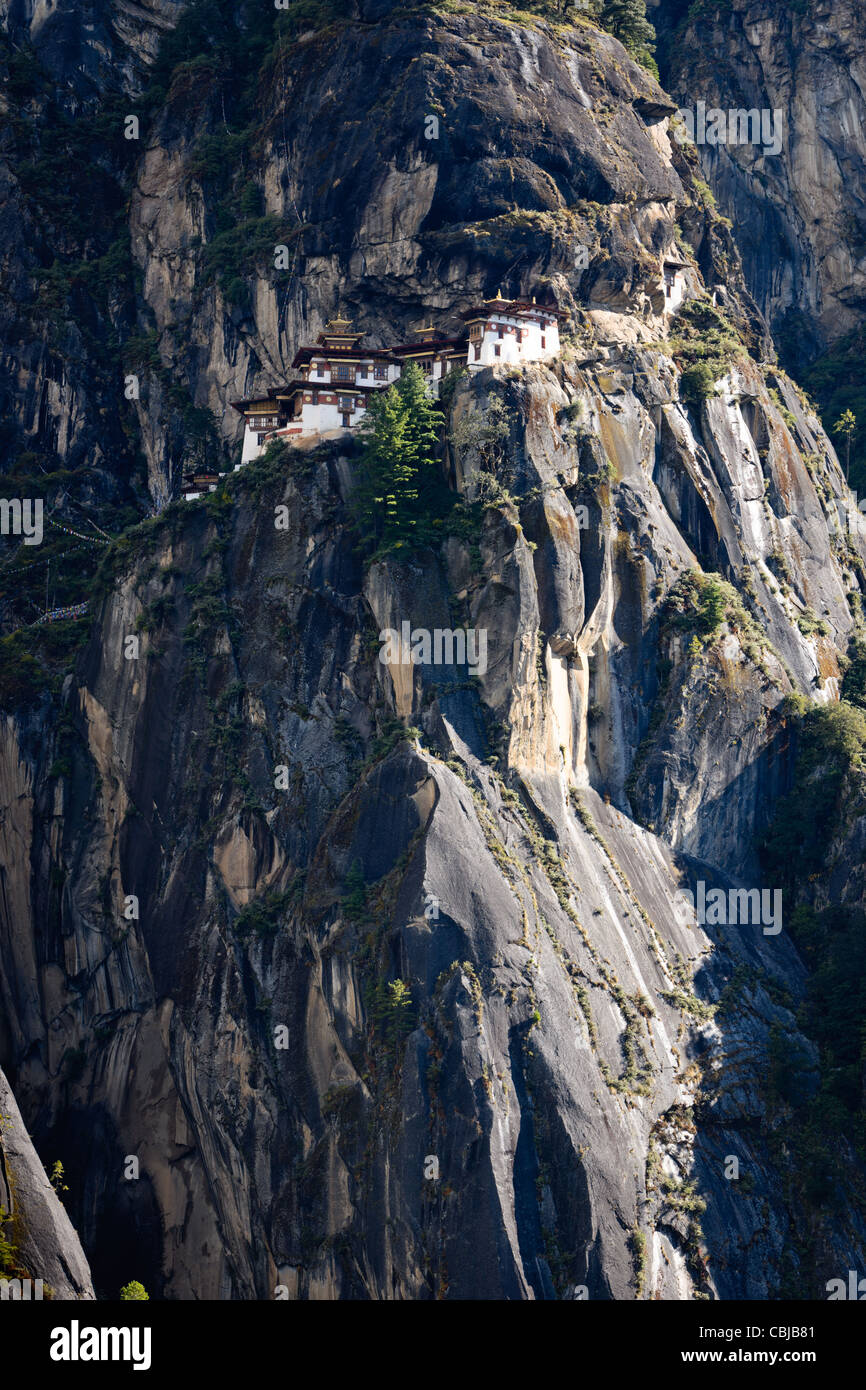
(511, 330)
(262, 418)
(198, 484)
(674, 281)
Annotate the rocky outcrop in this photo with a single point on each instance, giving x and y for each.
(34, 1222)
(105, 48)
(799, 212)
(557, 159)
(563, 1011)
(362, 980)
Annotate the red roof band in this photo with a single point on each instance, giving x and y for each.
(329, 345)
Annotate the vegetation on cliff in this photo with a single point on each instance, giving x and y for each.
(803, 850)
(429, 909)
(398, 478)
(705, 344)
(836, 382)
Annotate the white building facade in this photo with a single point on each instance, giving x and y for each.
(336, 376)
(511, 331)
(674, 281)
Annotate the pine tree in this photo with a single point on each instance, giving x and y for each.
(382, 476)
(134, 1292)
(397, 470)
(421, 438)
(627, 21)
(846, 427)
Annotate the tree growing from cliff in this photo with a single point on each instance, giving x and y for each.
(480, 438)
(837, 383)
(397, 473)
(422, 423)
(56, 1176)
(846, 427)
(627, 21)
(9, 1266)
(390, 1005)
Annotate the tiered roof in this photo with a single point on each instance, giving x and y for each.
(513, 308)
(426, 342)
(337, 342)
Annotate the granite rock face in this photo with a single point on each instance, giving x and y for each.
(577, 1051)
(799, 213)
(383, 974)
(92, 48)
(35, 1221)
(542, 145)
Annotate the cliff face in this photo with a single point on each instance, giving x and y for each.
(41, 1239)
(538, 148)
(380, 973)
(108, 47)
(800, 213)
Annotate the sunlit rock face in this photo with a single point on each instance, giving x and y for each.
(384, 972)
(798, 208)
(47, 1261)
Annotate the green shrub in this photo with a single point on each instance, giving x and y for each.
(390, 1004)
(56, 1176)
(9, 1266)
(215, 156)
(830, 759)
(134, 1292)
(794, 705)
(22, 678)
(701, 603)
(854, 681)
(705, 344)
(809, 624)
(262, 915)
(355, 895)
(698, 383)
(250, 201)
(237, 252)
(704, 192)
(637, 1242)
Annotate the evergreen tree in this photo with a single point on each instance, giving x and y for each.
(382, 477)
(397, 471)
(846, 427)
(421, 438)
(627, 21)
